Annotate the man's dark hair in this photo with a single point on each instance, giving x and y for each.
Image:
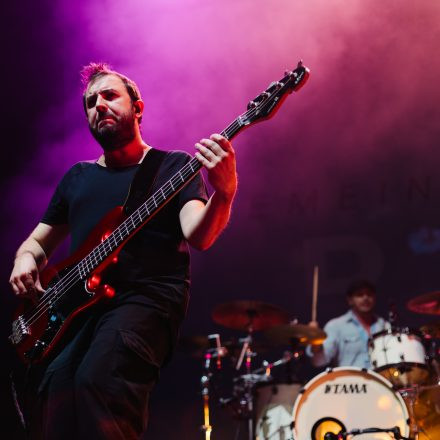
(93, 71)
(357, 285)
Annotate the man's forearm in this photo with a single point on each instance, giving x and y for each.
(210, 221)
(31, 246)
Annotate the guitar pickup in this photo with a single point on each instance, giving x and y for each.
(19, 330)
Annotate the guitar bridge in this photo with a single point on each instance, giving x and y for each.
(36, 351)
(19, 330)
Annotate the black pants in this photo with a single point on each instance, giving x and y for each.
(98, 386)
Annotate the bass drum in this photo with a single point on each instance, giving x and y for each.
(274, 406)
(347, 398)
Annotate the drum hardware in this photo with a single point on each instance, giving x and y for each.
(423, 403)
(410, 396)
(249, 316)
(403, 355)
(244, 386)
(215, 352)
(274, 404)
(246, 351)
(247, 405)
(206, 427)
(343, 435)
(242, 401)
(196, 346)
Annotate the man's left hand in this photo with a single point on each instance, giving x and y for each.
(217, 155)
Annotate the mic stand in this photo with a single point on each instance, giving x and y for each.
(211, 353)
(206, 427)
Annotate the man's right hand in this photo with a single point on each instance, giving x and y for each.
(25, 280)
(32, 257)
(316, 348)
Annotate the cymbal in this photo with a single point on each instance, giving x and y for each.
(305, 334)
(249, 315)
(428, 303)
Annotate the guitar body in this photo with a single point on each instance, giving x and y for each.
(50, 324)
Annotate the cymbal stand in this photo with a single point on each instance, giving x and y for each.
(248, 382)
(247, 342)
(410, 396)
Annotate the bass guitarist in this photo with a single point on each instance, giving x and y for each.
(97, 385)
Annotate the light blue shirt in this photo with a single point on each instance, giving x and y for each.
(346, 344)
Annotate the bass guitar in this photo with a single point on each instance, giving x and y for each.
(74, 285)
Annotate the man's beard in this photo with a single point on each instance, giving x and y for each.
(116, 135)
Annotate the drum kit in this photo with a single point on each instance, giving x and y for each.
(399, 398)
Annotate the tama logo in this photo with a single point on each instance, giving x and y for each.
(344, 388)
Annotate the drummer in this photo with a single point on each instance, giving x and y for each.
(347, 335)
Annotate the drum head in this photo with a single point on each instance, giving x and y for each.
(347, 399)
(274, 406)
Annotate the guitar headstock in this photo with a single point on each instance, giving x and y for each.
(265, 104)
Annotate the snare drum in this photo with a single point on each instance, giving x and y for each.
(399, 356)
(347, 398)
(274, 406)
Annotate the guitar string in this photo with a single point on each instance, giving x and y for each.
(72, 277)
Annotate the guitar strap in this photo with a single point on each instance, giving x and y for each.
(143, 180)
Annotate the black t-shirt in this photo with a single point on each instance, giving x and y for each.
(153, 267)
